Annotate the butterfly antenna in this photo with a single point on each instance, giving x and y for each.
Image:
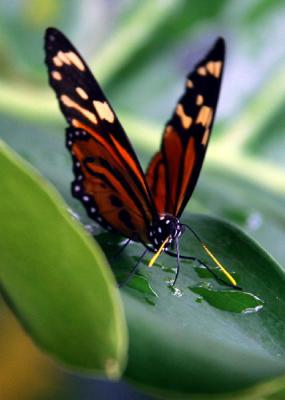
(157, 254)
(211, 255)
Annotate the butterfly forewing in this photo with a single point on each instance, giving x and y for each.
(108, 177)
(174, 170)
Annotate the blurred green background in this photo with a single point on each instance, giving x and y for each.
(140, 52)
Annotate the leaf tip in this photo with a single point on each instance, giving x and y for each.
(112, 368)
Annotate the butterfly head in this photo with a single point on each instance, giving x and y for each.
(165, 226)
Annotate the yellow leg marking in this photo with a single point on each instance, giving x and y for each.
(157, 254)
(217, 262)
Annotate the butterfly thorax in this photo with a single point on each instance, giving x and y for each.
(165, 226)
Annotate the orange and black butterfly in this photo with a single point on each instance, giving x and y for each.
(109, 180)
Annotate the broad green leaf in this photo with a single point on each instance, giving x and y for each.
(187, 340)
(234, 333)
(55, 277)
(242, 179)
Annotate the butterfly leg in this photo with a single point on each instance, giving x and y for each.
(122, 248)
(134, 270)
(178, 261)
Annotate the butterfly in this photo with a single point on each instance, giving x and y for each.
(109, 180)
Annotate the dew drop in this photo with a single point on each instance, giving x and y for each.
(174, 290)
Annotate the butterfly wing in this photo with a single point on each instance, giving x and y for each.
(174, 170)
(108, 177)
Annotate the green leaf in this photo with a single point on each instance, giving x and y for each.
(161, 319)
(55, 277)
(242, 180)
(182, 343)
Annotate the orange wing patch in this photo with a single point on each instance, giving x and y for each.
(189, 164)
(101, 186)
(156, 180)
(108, 147)
(173, 153)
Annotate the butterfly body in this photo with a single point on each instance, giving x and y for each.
(108, 178)
(165, 226)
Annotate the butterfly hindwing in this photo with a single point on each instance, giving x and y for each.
(108, 177)
(103, 187)
(174, 170)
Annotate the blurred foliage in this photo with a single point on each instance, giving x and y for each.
(141, 51)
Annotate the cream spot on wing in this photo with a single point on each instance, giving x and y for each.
(73, 57)
(199, 100)
(75, 123)
(205, 137)
(56, 75)
(62, 56)
(205, 116)
(211, 67)
(104, 111)
(202, 71)
(68, 102)
(185, 119)
(81, 93)
(190, 84)
(57, 62)
(214, 67)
